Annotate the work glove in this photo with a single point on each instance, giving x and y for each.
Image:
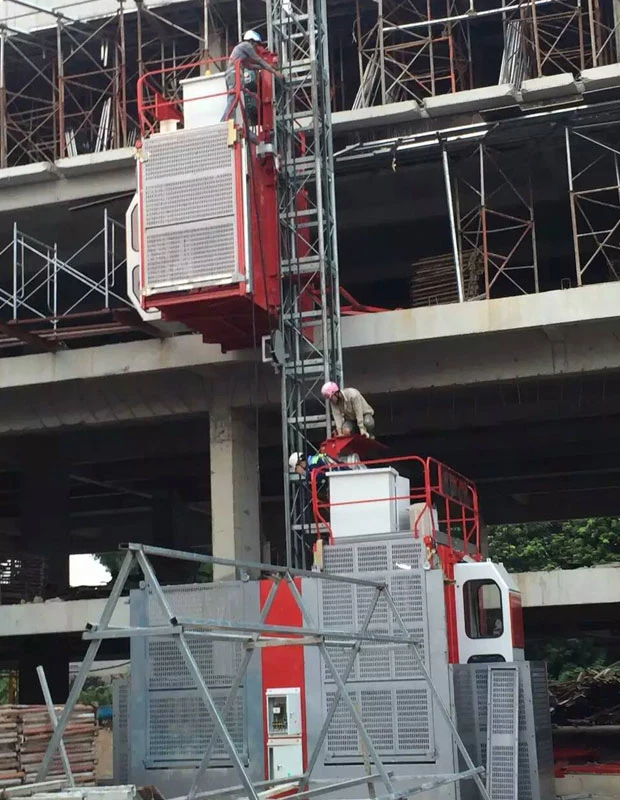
(365, 433)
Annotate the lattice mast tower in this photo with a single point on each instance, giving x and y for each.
(308, 341)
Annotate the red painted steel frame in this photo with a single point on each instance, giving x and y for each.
(454, 497)
(283, 667)
(229, 315)
(456, 500)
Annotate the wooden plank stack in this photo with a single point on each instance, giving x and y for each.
(24, 735)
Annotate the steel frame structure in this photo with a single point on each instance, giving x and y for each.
(47, 299)
(504, 242)
(255, 636)
(70, 89)
(398, 61)
(593, 165)
(416, 49)
(309, 346)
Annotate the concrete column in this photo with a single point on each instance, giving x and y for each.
(45, 520)
(53, 653)
(235, 490)
(170, 529)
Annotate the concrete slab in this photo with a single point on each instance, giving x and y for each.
(591, 786)
(27, 174)
(471, 100)
(556, 588)
(390, 114)
(607, 77)
(560, 307)
(577, 316)
(570, 587)
(90, 163)
(549, 87)
(57, 616)
(55, 188)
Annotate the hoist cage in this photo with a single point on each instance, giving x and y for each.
(338, 648)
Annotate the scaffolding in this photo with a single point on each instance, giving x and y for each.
(70, 89)
(253, 637)
(307, 344)
(404, 56)
(495, 224)
(415, 49)
(48, 298)
(592, 159)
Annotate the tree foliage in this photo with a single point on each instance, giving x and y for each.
(566, 658)
(96, 692)
(556, 545)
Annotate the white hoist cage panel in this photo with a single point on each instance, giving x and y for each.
(189, 210)
(387, 686)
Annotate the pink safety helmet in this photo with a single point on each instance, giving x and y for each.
(329, 390)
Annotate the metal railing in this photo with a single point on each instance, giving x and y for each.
(449, 501)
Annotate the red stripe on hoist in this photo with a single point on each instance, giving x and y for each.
(283, 667)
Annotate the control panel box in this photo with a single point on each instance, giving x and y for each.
(283, 712)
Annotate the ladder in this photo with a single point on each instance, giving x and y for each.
(307, 345)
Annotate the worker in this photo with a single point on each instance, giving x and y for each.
(305, 465)
(351, 413)
(245, 60)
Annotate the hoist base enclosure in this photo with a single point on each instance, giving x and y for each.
(166, 726)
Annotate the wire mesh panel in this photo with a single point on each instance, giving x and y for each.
(189, 209)
(178, 724)
(121, 740)
(179, 727)
(503, 733)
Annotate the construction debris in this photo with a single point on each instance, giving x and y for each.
(24, 735)
(591, 698)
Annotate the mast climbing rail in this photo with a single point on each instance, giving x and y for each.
(307, 345)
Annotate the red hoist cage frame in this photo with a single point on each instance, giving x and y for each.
(230, 314)
(455, 499)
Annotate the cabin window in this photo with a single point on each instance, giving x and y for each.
(482, 600)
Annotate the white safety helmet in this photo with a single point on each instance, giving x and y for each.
(252, 36)
(294, 460)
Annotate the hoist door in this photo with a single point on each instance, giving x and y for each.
(488, 614)
(193, 210)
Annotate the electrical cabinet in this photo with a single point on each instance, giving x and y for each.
(367, 502)
(284, 732)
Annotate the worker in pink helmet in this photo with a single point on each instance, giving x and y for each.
(350, 411)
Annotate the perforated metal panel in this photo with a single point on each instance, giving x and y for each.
(190, 209)
(471, 690)
(374, 556)
(121, 742)
(386, 685)
(502, 732)
(397, 720)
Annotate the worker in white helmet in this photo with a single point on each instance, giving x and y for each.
(350, 410)
(246, 60)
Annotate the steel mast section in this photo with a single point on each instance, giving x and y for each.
(307, 345)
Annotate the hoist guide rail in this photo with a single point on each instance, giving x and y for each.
(311, 634)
